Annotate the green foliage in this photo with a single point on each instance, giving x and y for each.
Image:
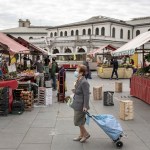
(144, 70)
(147, 57)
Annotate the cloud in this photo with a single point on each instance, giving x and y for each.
(56, 12)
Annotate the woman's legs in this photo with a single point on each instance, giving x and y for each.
(83, 131)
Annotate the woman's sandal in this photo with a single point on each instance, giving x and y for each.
(85, 138)
(77, 138)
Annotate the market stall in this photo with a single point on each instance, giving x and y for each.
(123, 72)
(8, 75)
(103, 57)
(18, 75)
(140, 81)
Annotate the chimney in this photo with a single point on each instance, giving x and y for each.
(27, 23)
(21, 23)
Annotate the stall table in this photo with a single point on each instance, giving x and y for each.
(140, 88)
(123, 73)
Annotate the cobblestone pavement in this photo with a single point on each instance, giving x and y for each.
(52, 128)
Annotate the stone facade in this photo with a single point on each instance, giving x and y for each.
(94, 32)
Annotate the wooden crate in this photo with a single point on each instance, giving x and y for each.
(118, 87)
(97, 93)
(126, 110)
(44, 96)
(27, 97)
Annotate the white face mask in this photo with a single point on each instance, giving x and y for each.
(76, 74)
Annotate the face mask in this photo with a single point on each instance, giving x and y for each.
(76, 74)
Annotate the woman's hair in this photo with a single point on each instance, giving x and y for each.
(82, 69)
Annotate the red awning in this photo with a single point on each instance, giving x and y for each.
(30, 46)
(14, 47)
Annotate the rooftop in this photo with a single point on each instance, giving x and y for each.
(95, 19)
(31, 29)
(141, 18)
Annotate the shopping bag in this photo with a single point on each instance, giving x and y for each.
(70, 100)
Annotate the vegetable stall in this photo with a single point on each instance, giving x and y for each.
(140, 80)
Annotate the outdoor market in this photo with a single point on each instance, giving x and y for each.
(23, 85)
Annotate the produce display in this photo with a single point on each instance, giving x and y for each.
(28, 73)
(28, 99)
(143, 72)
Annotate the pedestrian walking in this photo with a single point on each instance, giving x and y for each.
(115, 68)
(81, 102)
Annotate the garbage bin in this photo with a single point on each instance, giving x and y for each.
(108, 98)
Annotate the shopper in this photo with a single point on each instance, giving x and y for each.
(115, 68)
(88, 72)
(47, 74)
(39, 69)
(81, 102)
(54, 70)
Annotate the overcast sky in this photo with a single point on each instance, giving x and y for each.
(57, 12)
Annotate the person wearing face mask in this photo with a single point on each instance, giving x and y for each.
(81, 102)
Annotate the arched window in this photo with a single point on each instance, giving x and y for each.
(103, 31)
(113, 32)
(128, 34)
(30, 38)
(137, 32)
(65, 33)
(55, 34)
(148, 29)
(121, 34)
(84, 32)
(97, 31)
(77, 32)
(81, 50)
(42, 37)
(67, 50)
(51, 35)
(89, 31)
(72, 33)
(55, 51)
(61, 33)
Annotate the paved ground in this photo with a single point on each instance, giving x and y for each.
(51, 128)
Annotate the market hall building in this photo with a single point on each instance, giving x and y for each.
(81, 36)
(95, 32)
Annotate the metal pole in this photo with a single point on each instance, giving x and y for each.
(143, 55)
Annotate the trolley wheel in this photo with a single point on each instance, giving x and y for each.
(119, 144)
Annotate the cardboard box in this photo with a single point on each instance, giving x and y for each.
(126, 110)
(118, 87)
(97, 93)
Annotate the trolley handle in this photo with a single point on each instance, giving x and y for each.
(88, 114)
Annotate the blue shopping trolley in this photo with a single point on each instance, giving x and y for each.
(110, 126)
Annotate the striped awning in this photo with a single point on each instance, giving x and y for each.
(130, 47)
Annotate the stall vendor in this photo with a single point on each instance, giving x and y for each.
(4, 67)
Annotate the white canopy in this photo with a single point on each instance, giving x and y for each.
(99, 50)
(129, 48)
